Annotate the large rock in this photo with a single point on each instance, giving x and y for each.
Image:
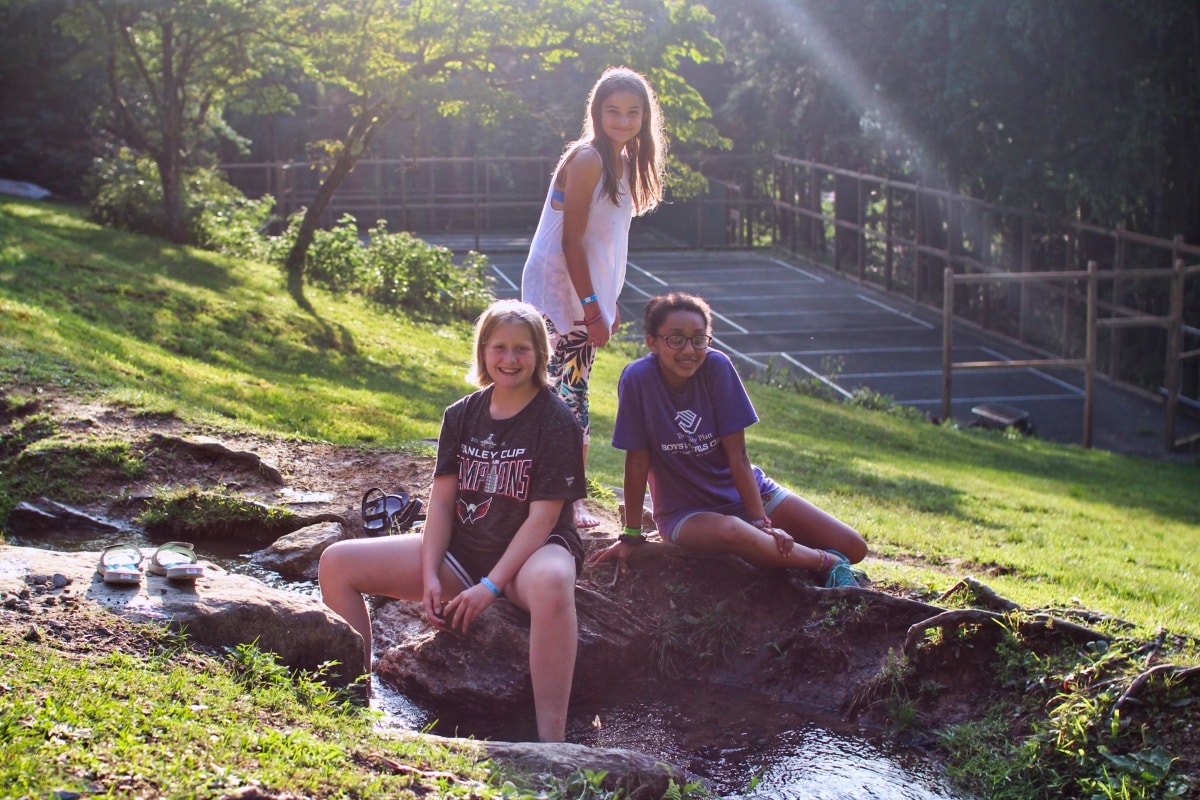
(486, 672)
(297, 555)
(220, 610)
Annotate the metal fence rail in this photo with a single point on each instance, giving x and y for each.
(893, 234)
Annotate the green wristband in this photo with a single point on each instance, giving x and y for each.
(632, 536)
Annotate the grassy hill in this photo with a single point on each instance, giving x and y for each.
(152, 327)
(170, 329)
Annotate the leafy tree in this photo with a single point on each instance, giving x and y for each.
(172, 68)
(1080, 106)
(47, 101)
(397, 57)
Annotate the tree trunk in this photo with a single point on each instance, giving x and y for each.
(172, 185)
(369, 121)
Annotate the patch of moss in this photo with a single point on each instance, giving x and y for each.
(194, 512)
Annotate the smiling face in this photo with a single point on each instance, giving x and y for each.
(622, 114)
(509, 356)
(678, 366)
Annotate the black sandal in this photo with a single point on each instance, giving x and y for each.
(384, 513)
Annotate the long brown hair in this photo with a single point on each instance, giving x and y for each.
(647, 151)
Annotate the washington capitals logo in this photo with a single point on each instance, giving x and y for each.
(688, 421)
(472, 512)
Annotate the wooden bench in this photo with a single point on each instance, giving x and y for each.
(1001, 417)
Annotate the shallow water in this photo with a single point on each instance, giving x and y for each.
(744, 746)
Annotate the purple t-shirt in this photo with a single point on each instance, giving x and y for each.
(689, 469)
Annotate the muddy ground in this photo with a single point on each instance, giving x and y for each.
(774, 634)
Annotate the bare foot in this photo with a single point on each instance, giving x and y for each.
(583, 517)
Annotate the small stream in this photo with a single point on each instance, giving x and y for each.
(743, 746)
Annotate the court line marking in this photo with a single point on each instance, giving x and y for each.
(827, 329)
(794, 268)
(897, 311)
(513, 286)
(818, 376)
(1016, 398)
(810, 312)
(1035, 371)
(648, 274)
(734, 353)
(728, 321)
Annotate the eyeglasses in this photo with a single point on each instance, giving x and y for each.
(676, 341)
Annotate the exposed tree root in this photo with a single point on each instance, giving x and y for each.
(1168, 670)
(214, 449)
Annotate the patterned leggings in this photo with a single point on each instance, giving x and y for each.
(571, 360)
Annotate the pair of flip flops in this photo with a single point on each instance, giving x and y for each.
(121, 564)
(384, 514)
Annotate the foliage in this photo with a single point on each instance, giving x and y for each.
(396, 271)
(694, 629)
(1078, 108)
(409, 274)
(1061, 733)
(48, 100)
(449, 57)
(173, 69)
(126, 192)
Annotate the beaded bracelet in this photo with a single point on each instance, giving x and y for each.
(486, 581)
(762, 523)
(591, 298)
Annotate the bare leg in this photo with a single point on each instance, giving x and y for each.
(389, 566)
(812, 529)
(545, 587)
(721, 533)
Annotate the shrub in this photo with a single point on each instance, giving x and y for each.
(410, 273)
(337, 259)
(126, 192)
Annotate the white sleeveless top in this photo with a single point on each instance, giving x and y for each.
(545, 282)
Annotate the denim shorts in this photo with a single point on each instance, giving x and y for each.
(771, 500)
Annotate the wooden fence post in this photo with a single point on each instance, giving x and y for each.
(1089, 385)
(1174, 350)
(947, 339)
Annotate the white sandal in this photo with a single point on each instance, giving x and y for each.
(176, 561)
(121, 564)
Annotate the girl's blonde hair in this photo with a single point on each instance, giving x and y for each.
(511, 312)
(647, 151)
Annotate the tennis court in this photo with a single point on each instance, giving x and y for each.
(810, 321)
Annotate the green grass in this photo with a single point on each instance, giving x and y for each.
(169, 723)
(164, 329)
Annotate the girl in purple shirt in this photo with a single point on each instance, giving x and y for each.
(681, 418)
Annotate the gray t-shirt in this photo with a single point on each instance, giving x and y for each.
(502, 467)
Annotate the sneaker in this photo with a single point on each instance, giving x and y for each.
(841, 574)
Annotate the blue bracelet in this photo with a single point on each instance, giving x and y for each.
(486, 581)
(591, 298)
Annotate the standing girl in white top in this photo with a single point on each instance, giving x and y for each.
(576, 265)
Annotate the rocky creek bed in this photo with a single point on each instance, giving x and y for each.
(671, 623)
